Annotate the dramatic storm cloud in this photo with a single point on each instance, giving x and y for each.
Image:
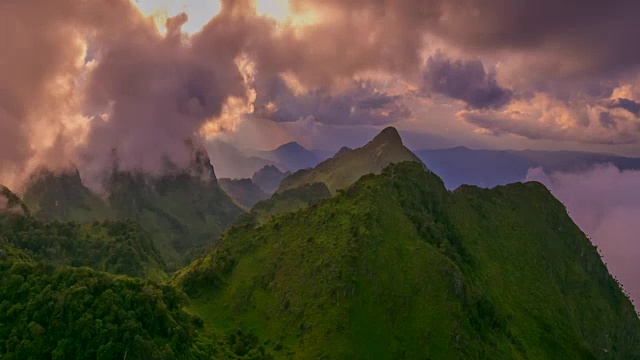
(605, 203)
(361, 103)
(464, 80)
(90, 82)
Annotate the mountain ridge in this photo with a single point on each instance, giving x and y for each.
(340, 171)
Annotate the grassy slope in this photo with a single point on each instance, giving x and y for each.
(345, 169)
(396, 267)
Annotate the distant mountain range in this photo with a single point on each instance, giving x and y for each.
(457, 166)
(489, 168)
(230, 162)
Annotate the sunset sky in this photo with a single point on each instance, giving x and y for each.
(80, 78)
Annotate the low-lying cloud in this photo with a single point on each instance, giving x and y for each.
(605, 203)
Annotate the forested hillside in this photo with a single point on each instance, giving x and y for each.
(398, 267)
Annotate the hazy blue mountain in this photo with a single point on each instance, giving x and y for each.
(233, 163)
(489, 168)
(268, 178)
(243, 191)
(292, 156)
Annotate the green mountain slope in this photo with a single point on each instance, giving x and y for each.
(397, 267)
(243, 191)
(11, 203)
(183, 211)
(348, 166)
(290, 201)
(62, 196)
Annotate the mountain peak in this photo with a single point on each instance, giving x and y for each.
(291, 146)
(388, 136)
(343, 151)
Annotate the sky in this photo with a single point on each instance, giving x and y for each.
(91, 83)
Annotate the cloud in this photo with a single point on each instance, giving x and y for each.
(629, 105)
(543, 116)
(464, 80)
(98, 75)
(605, 203)
(362, 103)
(156, 93)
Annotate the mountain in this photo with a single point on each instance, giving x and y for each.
(489, 168)
(62, 196)
(292, 156)
(268, 178)
(243, 191)
(290, 200)
(349, 165)
(11, 203)
(183, 210)
(230, 162)
(396, 266)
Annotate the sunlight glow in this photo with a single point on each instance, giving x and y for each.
(280, 11)
(198, 11)
(277, 9)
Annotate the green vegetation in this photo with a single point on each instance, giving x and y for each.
(349, 165)
(184, 212)
(111, 246)
(70, 313)
(48, 312)
(243, 191)
(52, 311)
(181, 212)
(290, 201)
(397, 267)
(62, 196)
(393, 266)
